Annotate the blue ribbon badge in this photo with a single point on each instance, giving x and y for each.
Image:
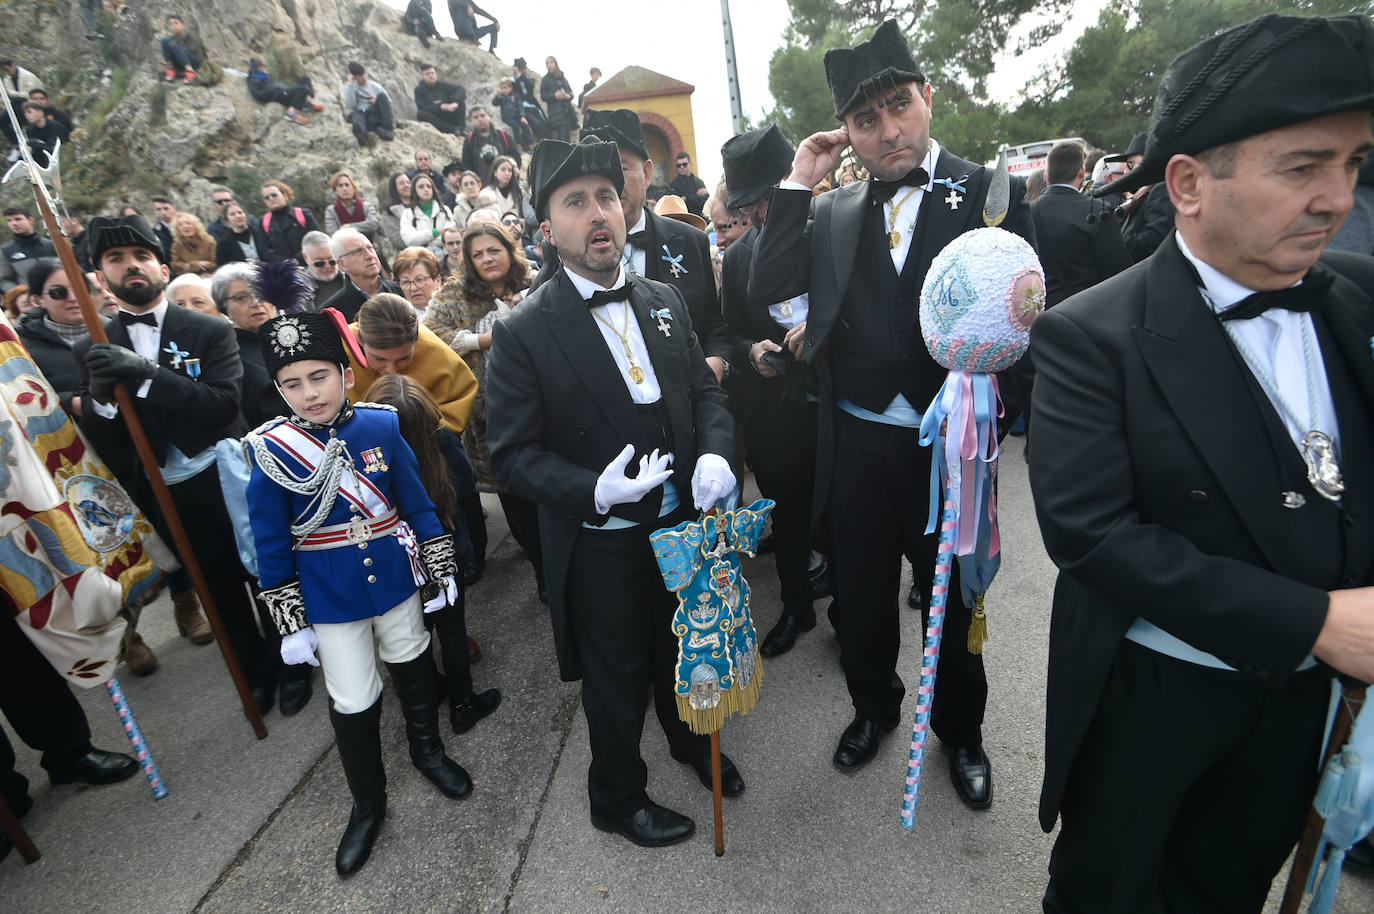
(177, 354)
(956, 189)
(674, 263)
(661, 315)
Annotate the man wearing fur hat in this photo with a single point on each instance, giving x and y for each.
(596, 373)
(1201, 476)
(862, 253)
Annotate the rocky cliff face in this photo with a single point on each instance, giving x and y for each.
(138, 136)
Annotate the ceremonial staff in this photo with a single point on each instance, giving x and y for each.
(126, 407)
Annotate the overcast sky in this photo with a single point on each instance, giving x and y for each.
(683, 39)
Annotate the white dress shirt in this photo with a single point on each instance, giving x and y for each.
(620, 315)
(633, 259)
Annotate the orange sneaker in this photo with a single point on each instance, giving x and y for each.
(190, 76)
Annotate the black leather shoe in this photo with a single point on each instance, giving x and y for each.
(913, 598)
(651, 826)
(731, 781)
(1360, 857)
(465, 714)
(96, 767)
(819, 580)
(295, 695)
(859, 743)
(972, 775)
(263, 697)
(472, 572)
(356, 844)
(784, 634)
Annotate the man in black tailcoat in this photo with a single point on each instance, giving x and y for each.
(769, 388)
(1203, 441)
(862, 252)
(660, 248)
(598, 371)
(182, 369)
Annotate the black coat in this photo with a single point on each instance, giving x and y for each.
(1076, 254)
(1158, 487)
(1148, 224)
(284, 232)
(558, 413)
(428, 98)
(696, 280)
(809, 244)
(51, 354)
(350, 298)
(561, 113)
(191, 413)
(227, 249)
(261, 400)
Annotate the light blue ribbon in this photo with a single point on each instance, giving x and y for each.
(951, 183)
(672, 261)
(176, 354)
(661, 312)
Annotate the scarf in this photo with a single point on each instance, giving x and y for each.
(347, 216)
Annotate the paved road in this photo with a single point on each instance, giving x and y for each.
(252, 825)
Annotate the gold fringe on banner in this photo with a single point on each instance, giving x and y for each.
(738, 700)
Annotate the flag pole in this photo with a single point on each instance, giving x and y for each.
(91, 316)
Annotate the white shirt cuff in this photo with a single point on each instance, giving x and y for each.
(793, 185)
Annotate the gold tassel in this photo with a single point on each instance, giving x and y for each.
(978, 627)
(739, 700)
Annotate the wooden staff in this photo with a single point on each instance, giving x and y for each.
(1306, 854)
(9, 824)
(136, 432)
(716, 793)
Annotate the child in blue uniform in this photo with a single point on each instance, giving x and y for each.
(347, 540)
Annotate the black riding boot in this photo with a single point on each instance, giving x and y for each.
(415, 684)
(360, 750)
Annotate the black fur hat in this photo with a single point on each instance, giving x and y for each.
(555, 163)
(290, 338)
(1271, 72)
(876, 64)
(754, 162)
(620, 126)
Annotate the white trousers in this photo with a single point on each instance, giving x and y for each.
(349, 650)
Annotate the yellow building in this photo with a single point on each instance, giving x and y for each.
(664, 106)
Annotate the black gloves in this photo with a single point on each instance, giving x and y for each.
(106, 360)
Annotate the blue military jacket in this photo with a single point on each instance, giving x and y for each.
(353, 580)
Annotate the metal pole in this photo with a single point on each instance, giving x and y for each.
(731, 74)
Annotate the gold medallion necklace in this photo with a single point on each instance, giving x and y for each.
(894, 237)
(636, 373)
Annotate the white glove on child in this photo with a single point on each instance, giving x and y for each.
(711, 480)
(465, 341)
(448, 595)
(300, 647)
(613, 487)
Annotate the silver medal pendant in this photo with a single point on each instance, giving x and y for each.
(1323, 472)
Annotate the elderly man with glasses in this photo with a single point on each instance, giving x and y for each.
(363, 268)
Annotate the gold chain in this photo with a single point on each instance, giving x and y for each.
(894, 237)
(636, 373)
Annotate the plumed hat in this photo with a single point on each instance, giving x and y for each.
(124, 231)
(1271, 72)
(620, 126)
(755, 161)
(285, 284)
(290, 338)
(555, 163)
(881, 61)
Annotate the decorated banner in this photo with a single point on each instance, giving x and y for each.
(718, 668)
(73, 548)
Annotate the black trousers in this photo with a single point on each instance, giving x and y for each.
(878, 508)
(1189, 790)
(781, 438)
(620, 615)
(41, 708)
(200, 504)
(450, 627)
(445, 121)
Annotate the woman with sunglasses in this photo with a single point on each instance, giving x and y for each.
(51, 329)
(284, 224)
(492, 281)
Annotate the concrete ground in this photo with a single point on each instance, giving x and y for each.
(252, 825)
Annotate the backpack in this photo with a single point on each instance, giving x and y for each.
(295, 211)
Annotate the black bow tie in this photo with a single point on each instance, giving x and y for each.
(638, 239)
(1309, 296)
(603, 297)
(883, 191)
(127, 318)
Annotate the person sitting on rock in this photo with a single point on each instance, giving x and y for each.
(464, 15)
(265, 89)
(43, 134)
(513, 112)
(182, 52)
(419, 21)
(54, 114)
(442, 104)
(368, 105)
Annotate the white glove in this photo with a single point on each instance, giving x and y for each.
(465, 341)
(711, 479)
(448, 595)
(613, 487)
(299, 647)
